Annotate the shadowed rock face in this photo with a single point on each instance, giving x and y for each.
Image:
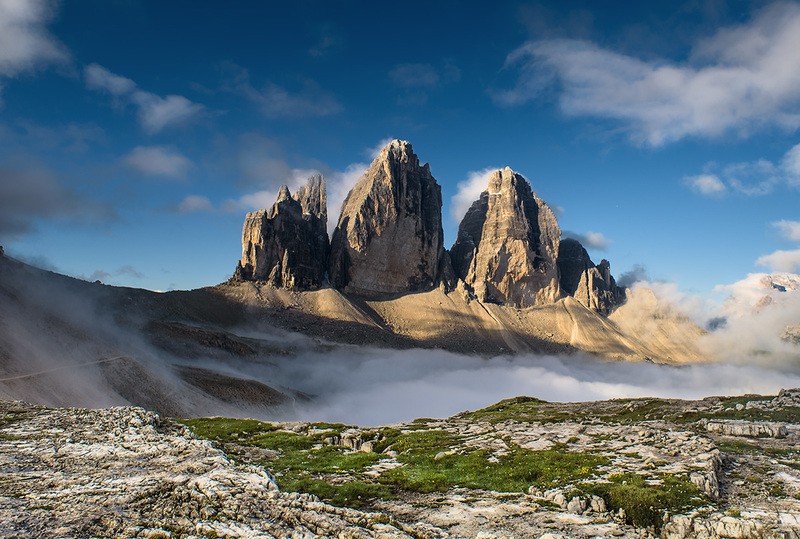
(287, 245)
(593, 286)
(389, 236)
(508, 243)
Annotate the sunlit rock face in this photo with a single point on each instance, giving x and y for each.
(287, 245)
(593, 286)
(389, 236)
(508, 244)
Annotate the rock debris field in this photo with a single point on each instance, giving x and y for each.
(715, 468)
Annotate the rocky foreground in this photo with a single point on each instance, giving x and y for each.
(720, 467)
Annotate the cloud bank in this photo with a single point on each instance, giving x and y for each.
(155, 113)
(25, 42)
(158, 161)
(740, 79)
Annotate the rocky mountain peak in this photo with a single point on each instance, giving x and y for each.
(287, 246)
(313, 199)
(389, 236)
(593, 286)
(508, 244)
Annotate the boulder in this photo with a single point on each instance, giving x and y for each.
(507, 245)
(389, 237)
(287, 245)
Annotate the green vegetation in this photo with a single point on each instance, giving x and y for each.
(433, 461)
(737, 447)
(645, 502)
(436, 461)
(519, 409)
(225, 429)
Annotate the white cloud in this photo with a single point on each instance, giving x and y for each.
(195, 204)
(155, 112)
(158, 161)
(788, 261)
(468, 191)
(789, 229)
(706, 184)
(751, 178)
(338, 185)
(25, 42)
(590, 240)
(99, 78)
(374, 151)
(791, 166)
(741, 78)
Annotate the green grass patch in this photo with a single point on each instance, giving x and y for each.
(528, 409)
(472, 468)
(225, 429)
(737, 447)
(645, 503)
(350, 494)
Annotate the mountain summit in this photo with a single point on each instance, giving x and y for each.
(389, 237)
(389, 240)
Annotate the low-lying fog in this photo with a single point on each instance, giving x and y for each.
(373, 386)
(44, 327)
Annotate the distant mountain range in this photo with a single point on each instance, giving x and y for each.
(510, 284)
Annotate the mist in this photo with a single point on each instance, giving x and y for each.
(374, 386)
(69, 328)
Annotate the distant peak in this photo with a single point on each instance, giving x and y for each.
(283, 194)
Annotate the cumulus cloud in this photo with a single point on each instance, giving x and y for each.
(158, 161)
(590, 240)
(789, 229)
(194, 204)
(468, 191)
(788, 261)
(25, 42)
(749, 178)
(740, 79)
(29, 193)
(275, 101)
(757, 312)
(706, 184)
(155, 113)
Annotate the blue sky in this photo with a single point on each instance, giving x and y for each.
(134, 135)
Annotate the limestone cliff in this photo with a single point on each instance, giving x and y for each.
(593, 286)
(389, 236)
(287, 245)
(508, 244)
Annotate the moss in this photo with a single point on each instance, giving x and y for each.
(528, 409)
(329, 459)
(349, 494)
(459, 466)
(737, 447)
(645, 502)
(225, 429)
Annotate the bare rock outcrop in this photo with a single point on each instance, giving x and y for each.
(508, 243)
(389, 236)
(593, 286)
(287, 245)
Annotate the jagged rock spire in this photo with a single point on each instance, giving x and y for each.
(287, 245)
(389, 236)
(508, 243)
